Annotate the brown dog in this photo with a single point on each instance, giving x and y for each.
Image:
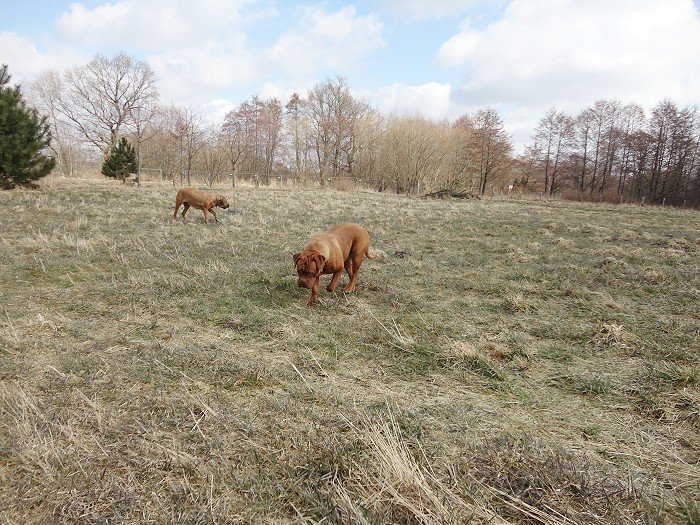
(201, 200)
(344, 246)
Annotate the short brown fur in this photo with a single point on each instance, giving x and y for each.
(342, 247)
(201, 200)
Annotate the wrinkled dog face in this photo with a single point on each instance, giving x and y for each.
(221, 202)
(309, 266)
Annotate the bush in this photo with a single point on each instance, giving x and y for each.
(121, 161)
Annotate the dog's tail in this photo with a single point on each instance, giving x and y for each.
(368, 255)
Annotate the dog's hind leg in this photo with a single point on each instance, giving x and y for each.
(178, 203)
(350, 268)
(184, 210)
(353, 271)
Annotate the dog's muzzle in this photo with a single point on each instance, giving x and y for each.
(301, 283)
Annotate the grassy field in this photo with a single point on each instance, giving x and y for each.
(500, 361)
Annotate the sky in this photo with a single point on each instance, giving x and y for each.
(435, 58)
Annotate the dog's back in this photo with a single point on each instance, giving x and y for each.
(192, 197)
(353, 239)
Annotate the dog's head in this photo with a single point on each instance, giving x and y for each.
(221, 202)
(309, 266)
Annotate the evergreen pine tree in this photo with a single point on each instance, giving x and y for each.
(23, 137)
(121, 161)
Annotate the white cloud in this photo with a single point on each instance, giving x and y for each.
(151, 25)
(570, 53)
(21, 56)
(191, 75)
(215, 110)
(432, 100)
(461, 47)
(26, 62)
(325, 40)
(283, 92)
(416, 10)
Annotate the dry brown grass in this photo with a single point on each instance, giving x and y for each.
(500, 362)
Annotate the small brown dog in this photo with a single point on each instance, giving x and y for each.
(201, 200)
(344, 246)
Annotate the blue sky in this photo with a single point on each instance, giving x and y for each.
(438, 58)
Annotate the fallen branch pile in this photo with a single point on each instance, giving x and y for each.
(450, 193)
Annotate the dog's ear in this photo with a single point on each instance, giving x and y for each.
(296, 258)
(320, 261)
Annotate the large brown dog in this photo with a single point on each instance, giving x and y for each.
(344, 246)
(201, 200)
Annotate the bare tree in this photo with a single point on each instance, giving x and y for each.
(632, 122)
(370, 135)
(187, 130)
(296, 132)
(253, 134)
(44, 94)
(413, 151)
(102, 98)
(554, 135)
(488, 146)
(213, 155)
(161, 149)
(268, 125)
(145, 127)
(596, 151)
(235, 142)
(527, 166)
(334, 115)
(613, 112)
(675, 153)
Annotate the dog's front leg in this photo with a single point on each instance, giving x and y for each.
(334, 281)
(314, 294)
(213, 213)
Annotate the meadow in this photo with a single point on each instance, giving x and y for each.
(502, 361)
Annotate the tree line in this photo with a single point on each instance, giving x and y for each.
(609, 151)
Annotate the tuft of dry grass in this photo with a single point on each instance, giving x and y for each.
(527, 480)
(500, 362)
